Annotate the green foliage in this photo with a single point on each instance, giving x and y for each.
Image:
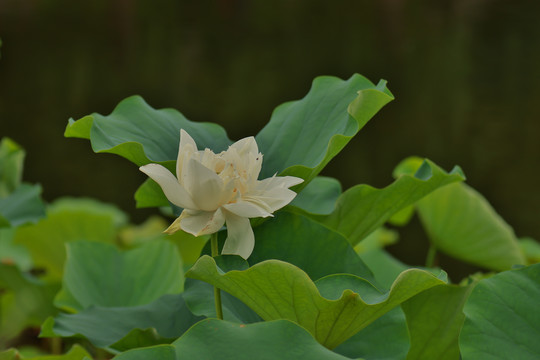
(319, 283)
(502, 318)
(435, 318)
(124, 327)
(142, 134)
(97, 274)
(19, 203)
(461, 223)
(280, 339)
(303, 136)
(68, 220)
(385, 338)
(279, 290)
(22, 206)
(315, 249)
(319, 126)
(362, 209)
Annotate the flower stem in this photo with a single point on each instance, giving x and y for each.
(431, 256)
(217, 293)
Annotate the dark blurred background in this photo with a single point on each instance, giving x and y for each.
(465, 74)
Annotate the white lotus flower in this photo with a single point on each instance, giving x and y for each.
(216, 189)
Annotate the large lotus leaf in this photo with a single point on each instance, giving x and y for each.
(307, 244)
(362, 209)
(435, 318)
(278, 290)
(122, 328)
(319, 196)
(387, 338)
(280, 339)
(142, 134)
(68, 220)
(461, 223)
(158, 352)
(97, 274)
(11, 166)
(296, 239)
(502, 320)
(22, 206)
(25, 301)
(77, 352)
(303, 136)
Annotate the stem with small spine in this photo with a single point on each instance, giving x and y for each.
(217, 293)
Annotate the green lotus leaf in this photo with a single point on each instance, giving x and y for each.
(122, 328)
(300, 139)
(502, 320)
(387, 338)
(279, 339)
(362, 209)
(22, 206)
(460, 222)
(278, 290)
(435, 318)
(97, 274)
(303, 136)
(68, 220)
(296, 239)
(315, 249)
(142, 134)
